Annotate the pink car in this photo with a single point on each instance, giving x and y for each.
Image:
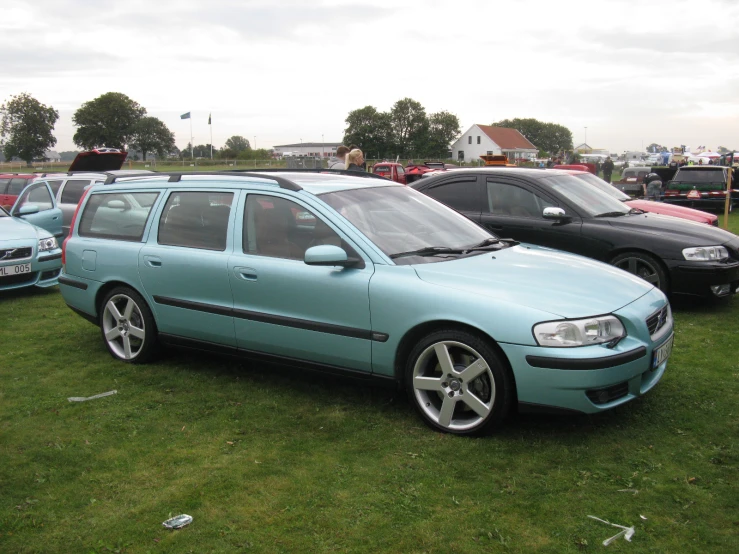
(647, 205)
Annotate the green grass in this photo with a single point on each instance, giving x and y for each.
(269, 459)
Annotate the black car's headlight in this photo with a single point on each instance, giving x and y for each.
(50, 243)
(706, 253)
(579, 332)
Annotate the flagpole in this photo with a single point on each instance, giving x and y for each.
(211, 136)
(192, 155)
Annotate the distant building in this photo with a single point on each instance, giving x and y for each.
(307, 149)
(479, 140)
(52, 156)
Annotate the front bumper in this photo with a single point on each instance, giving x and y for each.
(696, 278)
(619, 374)
(45, 270)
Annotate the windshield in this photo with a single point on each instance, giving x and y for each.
(602, 185)
(400, 219)
(586, 197)
(700, 176)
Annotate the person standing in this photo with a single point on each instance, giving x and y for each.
(355, 160)
(339, 162)
(653, 187)
(607, 169)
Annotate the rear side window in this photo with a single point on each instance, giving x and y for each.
(463, 195)
(73, 190)
(196, 220)
(118, 216)
(17, 185)
(4, 185)
(55, 186)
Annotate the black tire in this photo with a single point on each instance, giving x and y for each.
(645, 266)
(474, 405)
(127, 326)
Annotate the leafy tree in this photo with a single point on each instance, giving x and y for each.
(654, 148)
(370, 130)
(28, 125)
(550, 137)
(410, 127)
(150, 134)
(443, 130)
(237, 144)
(199, 151)
(108, 120)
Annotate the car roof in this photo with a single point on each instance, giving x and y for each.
(534, 173)
(313, 182)
(17, 175)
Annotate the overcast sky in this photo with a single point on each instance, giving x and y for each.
(632, 72)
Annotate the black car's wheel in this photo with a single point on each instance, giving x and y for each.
(127, 326)
(644, 266)
(458, 383)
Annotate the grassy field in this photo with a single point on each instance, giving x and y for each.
(269, 459)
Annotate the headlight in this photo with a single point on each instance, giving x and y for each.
(47, 244)
(579, 332)
(706, 253)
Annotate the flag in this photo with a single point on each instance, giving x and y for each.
(208, 119)
(185, 116)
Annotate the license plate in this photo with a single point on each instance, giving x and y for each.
(660, 355)
(11, 270)
(694, 194)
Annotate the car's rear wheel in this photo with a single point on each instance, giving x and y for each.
(644, 266)
(127, 326)
(458, 383)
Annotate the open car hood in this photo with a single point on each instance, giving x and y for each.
(95, 160)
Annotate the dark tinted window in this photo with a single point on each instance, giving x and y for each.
(280, 228)
(36, 195)
(506, 199)
(54, 186)
(118, 216)
(72, 191)
(463, 196)
(196, 220)
(4, 185)
(17, 185)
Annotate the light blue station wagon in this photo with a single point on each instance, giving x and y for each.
(360, 275)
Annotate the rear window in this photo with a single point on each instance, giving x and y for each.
(72, 191)
(700, 176)
(117, 216)
(17, 184)
(196, 220)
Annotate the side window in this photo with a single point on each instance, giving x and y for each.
(54, 186)
(4, 185)
(72, 191)
(478, 139)
(17, 185)
(36, 195)
(117, 216)
(280, 228)
(463, 196)
(469, 139)
(401, 171)
(507, 199)
(196, 220)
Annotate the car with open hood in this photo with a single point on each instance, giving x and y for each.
(556, 209)
(362, 276)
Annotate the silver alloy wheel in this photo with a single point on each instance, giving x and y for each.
(124, 327)
(642, 268)
(454, 385)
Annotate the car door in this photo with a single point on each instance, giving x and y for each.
(514, 209)
(39, 195)
(184, 266)
(69, 196)
(286, 308)
(461, 192)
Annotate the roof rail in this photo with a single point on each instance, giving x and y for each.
(349, 172)
(176, 177)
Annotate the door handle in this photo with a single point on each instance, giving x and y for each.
(494, 227)
(246, 273)
(152, 261)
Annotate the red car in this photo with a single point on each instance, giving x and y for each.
(11, 185)
(647, 205)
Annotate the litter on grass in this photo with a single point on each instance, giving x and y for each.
(626, 532)
(177, 522)
(84, 399)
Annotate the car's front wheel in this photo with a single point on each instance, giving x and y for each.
(458, 383)
(127, 326)
(645, 266)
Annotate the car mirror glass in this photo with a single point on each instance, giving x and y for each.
(554, 213)
(327, 254)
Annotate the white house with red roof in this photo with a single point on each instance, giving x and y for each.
(479, 140)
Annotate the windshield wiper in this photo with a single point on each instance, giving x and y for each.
(428, 251)
(611, 214)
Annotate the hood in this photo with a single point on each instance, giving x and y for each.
(565, 285)
(106, 159)
(690, 233)
(673, 210)
(13, 228)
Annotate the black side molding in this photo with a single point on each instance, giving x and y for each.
(50, 258)
(72, 283)
(587, 363)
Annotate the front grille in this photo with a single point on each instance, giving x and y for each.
(657, 320)
(15, 253)
(18, 279)
(603, 396)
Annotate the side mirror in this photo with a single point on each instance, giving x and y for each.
(328, 254)
(28, 209)
(554, 213)
(117, 205)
